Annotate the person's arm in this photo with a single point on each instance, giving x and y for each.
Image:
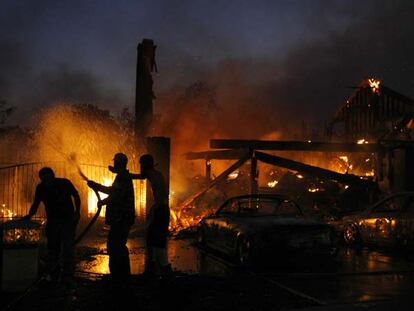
(136, 176)
(35, 204)
(98, 187)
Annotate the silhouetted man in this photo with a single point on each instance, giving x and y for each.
(58, 196)
(120, 215)
(158, 219)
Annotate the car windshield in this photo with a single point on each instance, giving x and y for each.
(261, 207)
(393, 204)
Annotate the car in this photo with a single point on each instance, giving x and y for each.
(248, 228)
(389, 223)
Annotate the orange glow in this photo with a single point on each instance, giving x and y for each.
(299, 176)
(370, 173)
(362, 141)
(374, 85)
(272, 184)
(140, 198)
(93, 200)
(6, 213)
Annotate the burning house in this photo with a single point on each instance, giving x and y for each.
(375, 113)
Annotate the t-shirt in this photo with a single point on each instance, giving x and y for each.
(57, 199)
(121, 205)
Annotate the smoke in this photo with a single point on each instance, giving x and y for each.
(296, 93)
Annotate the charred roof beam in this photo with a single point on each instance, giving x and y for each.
(293, 145)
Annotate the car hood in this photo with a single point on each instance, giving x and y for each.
(271, 223)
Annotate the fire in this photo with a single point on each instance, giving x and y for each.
(362, 141)
(374, 85)
(139, 191)
(6, 213)
(314, 189)
(299, 176)
(272, 184)
(233, 175)
(370, 173)
(93, 200)
(344, 158)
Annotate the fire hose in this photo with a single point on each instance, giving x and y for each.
(77, 240)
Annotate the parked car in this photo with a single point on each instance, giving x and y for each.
(389, 222)
(251, 227)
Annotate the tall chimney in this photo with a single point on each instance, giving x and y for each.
(144, 94)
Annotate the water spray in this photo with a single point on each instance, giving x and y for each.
(72, 160)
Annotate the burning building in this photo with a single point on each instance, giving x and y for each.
(374, 113)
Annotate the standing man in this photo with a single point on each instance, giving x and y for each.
(158, 219)
(120, 215)
(62, 205)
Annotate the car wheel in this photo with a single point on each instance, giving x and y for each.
(244, 247)
(352, 235)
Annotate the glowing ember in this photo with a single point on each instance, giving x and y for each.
(374, 85)
(314, 189)
(272, 184)
(370, 173)
(299, 176)
(344, 158)
(233, 175)
(362, 141)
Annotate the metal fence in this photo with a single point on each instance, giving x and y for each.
(18, 184)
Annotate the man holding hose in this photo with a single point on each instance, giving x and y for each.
(120, 215)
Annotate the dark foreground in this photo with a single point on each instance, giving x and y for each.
(183, 293)
(364, 279)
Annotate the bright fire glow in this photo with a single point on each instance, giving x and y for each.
(374, 85)
(314, 189)
(140, 198)
(93, 200)
(272, 184)
(370, 173)
(6, 213)
(233, 175)
(299, 176)
(362, 141)
(344, 158)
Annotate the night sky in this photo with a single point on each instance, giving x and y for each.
(288, 57)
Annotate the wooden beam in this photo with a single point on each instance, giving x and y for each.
(305, 168)
(292, 145)
(217, 180)
(232, 154)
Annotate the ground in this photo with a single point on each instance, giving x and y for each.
(362, 278)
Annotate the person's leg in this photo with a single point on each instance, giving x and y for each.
(111, 249)
(124, 263)
(119, 264)
(162, 250)
(149, 269)
(68, 251)
(53, 250)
